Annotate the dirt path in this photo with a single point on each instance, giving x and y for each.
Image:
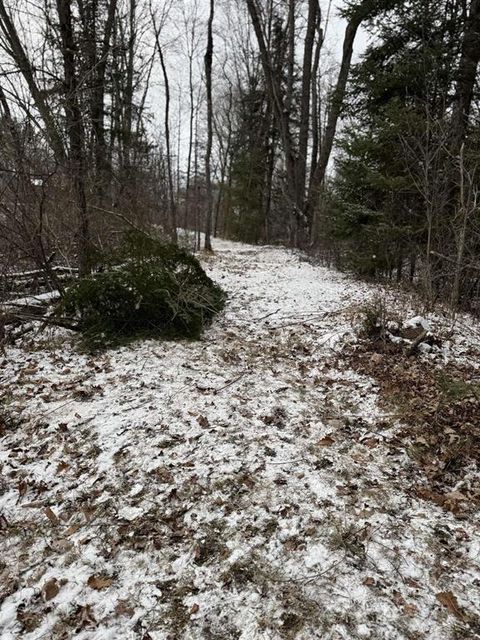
(242, 486)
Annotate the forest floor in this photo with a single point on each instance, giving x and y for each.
(279, 479)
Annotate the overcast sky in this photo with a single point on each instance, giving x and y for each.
(178, 67)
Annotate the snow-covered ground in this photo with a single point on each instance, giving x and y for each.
(238, 487)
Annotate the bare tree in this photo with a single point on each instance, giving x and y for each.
(208, 154)
(171, 191)
(73, 116)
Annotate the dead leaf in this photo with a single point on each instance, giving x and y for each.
(410, 610)
(369, 581)
(412, 583)
(123, 608)
(85, 617)
(73, 528)
(28, 619)
(195, 608)
(51, 516)
(449, 600)
(203, 421)
(88, 512)
(99, 582)
(327, 441)
(22, 488)
(50, 589)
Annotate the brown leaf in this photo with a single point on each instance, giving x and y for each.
(73, 528)
(327, 441)
(412, 583)
(203, 421)
(50, 589)
(28, 619)
(371, 443)
(88, 512)
(123, 608)
(410, 610)
(99, 582)
(369, 581)
(22, 487)
(51, 516)
(449, 600)
(195, 608)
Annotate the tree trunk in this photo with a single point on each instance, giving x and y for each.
(313, 11)
(336, 103)
(466, 76)
(102, 165)
(20, 57)
(73, 117)
(208, 154)
(172, 217)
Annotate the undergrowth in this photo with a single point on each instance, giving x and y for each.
(439, 410)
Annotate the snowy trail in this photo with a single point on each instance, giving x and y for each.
(237, 487)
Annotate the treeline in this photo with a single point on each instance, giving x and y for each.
(403, 200)
(232, 117)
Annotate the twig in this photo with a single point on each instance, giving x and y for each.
(229, 384)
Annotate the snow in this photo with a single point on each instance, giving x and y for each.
(222, 488)
(39, 299)
(417, 321)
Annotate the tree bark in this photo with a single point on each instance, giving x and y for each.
(172, 217)
(466, 77)
(305, 105)
(336, 104)
(208, 154)
(73, 116)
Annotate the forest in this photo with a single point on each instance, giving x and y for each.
(239, 319)
(265, 135)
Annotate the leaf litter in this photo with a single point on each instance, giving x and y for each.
(251, 485)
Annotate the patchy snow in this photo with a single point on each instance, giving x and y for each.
(37, 300)
(236, 487)
(417, 321)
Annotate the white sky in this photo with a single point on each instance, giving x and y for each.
(178, 67)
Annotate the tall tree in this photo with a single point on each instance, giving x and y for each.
(75, 131)
(208, 154)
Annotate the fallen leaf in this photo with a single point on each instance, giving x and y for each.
(50, 589)
(368, 582)
(99, 582)
(203, 421)
(412, 583)
(73, 528)
(371, 443)
(28, 619)
(410, 610)
(195, 608)
(123, 608)
(51, 516)
(449, 600)
(22, 488)
(326, 442)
